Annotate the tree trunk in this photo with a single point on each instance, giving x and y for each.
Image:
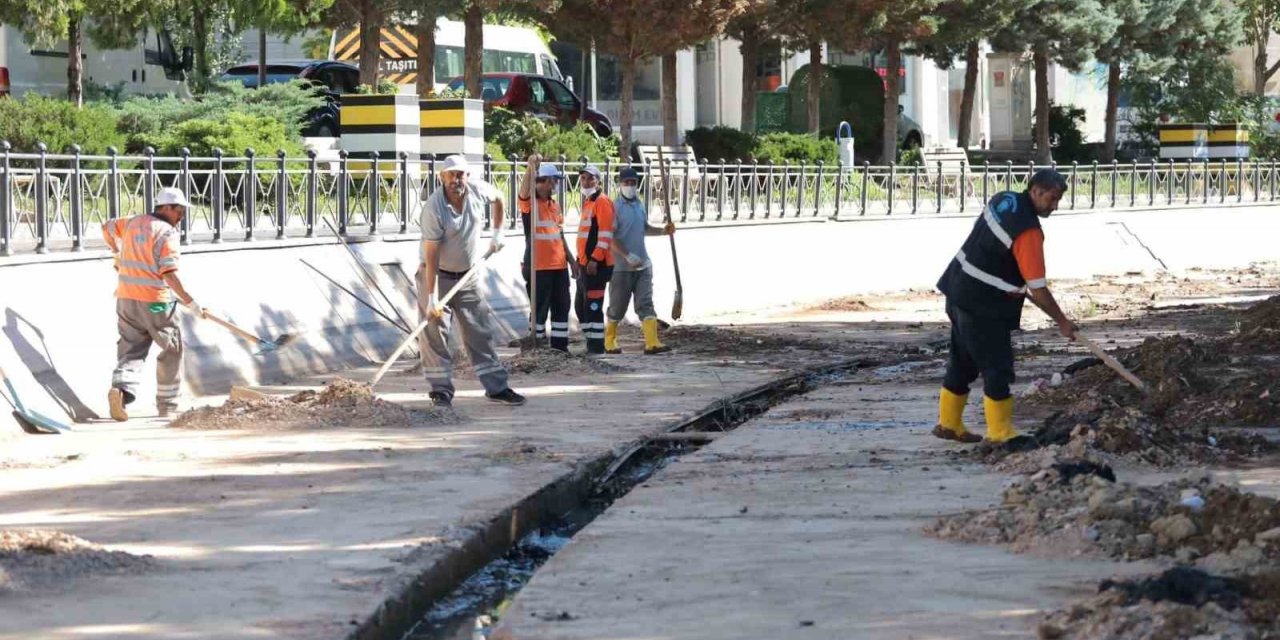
(964, 131)
(670, 102)
(473, 49)
(370, 42)
(815, 86)
(426, 34)
(893, 61)
(1113, 108)
(262, 56)
(1044, 154)
(750, 48)
(75, 64)
(1260, 64)
(200, 42)
(628, 103)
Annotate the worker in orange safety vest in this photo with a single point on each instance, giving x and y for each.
(595, 256)
(550, 251)
(145, 249)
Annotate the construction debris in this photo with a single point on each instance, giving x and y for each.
(38, 559)
(1076, 507)
(1179, 603)
(341, 403)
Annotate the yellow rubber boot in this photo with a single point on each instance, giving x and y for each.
(999, 419)
(651, 343)
(611, 337)
(950, 418)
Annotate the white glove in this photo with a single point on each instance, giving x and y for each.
(196, 310)
(634, 260)
(495, 245)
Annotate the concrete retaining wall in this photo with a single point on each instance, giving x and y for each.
(58, 322)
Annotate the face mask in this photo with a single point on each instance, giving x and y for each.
(629, 192)
(588, 192)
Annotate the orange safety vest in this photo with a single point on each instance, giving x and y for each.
(595, 231)
(548, 240)
(146, 248)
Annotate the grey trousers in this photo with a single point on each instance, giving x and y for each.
(140, 327)
(473, 320)
(628, 284)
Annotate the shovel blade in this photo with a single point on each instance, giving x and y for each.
(677, 306)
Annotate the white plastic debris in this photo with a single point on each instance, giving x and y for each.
(1213, 442)
(1035, 386)
(1056, 380)
(1195, 503)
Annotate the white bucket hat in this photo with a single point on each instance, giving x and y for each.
(174, 196)
(547, 170)
(455, 162)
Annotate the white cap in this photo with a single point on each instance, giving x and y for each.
(547, 170)
(591, 169)
(455, 162)
(172, 195)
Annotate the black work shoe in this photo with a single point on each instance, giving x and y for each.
(440, 399)
(507, 397)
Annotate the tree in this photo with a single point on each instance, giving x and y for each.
(751, 29)
(110, 24)
(1067, 32)
(637, 30)
(1152, 34)
(963, 25)
(1261, 19)
(283, 17)
(369, 16)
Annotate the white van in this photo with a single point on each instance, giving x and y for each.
(151, 66)
(510, 49)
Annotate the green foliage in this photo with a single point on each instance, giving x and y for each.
(797, 148)
(233, 134)
(110, 93)
(1066, 134)
(145, 121)
(851, 94)
(1193, 89)
(721, 143)
(518, 136)
(911, 156)
(494, 151)
(384, 87)
(58, 124)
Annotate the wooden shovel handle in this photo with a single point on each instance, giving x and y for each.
(1110, 361)
(234, 329)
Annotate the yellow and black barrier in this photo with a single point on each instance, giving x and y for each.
(450, 126)
(387, 124)
(1197, 141)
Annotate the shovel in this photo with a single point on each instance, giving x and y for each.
(1110, 361)
(677, 305)
(30, 421)
(265, 346)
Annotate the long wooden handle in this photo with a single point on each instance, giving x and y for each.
(395, 355)
(666, 210)
(234, 329)
(1110, 361)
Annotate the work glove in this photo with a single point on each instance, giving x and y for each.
(495, 245)
(634, 261)
(196, 310)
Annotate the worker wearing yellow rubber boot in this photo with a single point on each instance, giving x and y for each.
(633, 271)
(1000, 264)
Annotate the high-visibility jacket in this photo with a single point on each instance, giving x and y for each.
(595, 230)
(547, 235)
(983, 277)
(146, 248)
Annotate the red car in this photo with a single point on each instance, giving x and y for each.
(541, 96)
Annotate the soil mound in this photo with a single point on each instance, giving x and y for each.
(38, 559)
(341, 403)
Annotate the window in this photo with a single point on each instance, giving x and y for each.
(538, 91)
(448, 63)
(563, 96)
(508, 61)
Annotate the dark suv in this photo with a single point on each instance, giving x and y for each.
(540, 96)
(336, 77)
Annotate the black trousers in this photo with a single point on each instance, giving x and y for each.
(589, 304)
(553, 298)
(979, 346)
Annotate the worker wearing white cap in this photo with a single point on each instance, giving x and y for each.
(595, 256)
(452, 219)
(145, 249)
(548, 251)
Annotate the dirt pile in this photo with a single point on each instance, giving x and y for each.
(847, 303)
(341, 403)
(1179, 603)
(1196, 389)
(545, 360)
(704, 339)
(37, 559)
(1073, 508)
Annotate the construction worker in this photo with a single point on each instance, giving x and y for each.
(553, 255)
(451, 221)
(633, 271)
(595, 256)
(145, 252)
(1000, 264)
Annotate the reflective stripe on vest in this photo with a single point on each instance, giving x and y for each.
(984, 277)
(548, 239)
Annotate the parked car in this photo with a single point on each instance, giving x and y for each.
(546, 98)
(335, 76)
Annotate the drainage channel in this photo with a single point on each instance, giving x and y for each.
(544, 523)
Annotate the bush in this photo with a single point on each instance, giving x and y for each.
(58, 124)
(1066, 136)
(797, 148)
(721, 143)
(233, 134)
(518, 136)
